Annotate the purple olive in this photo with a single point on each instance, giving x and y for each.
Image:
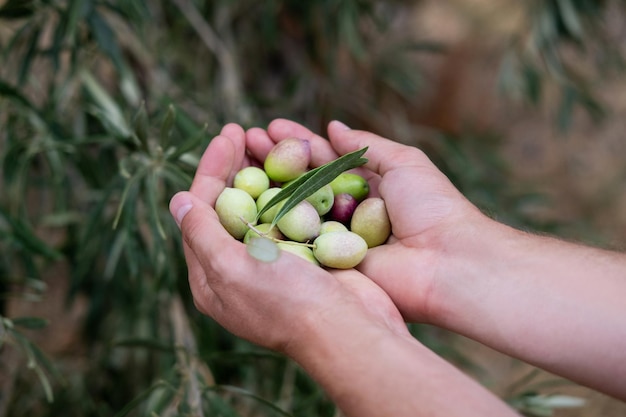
(343, 207)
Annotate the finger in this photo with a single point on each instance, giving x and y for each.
(380, 265)
(383, 154)
(203, 233)
(220, 160)
(259, 143)
(321, 150)
(237, 136)
(203, 295)
(374, 297)
(222, 258)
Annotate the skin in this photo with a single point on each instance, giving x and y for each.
(446, 264)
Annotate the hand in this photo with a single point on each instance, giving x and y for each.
(426, 211)
(448, 264)
(282, 305)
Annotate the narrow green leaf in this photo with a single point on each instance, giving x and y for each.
(309, 183)
(570, 19)
(38, 362)
(15, 161)
(115, 254)
(27, 239)
(75, 10)
(105, 37)
(189, 144)
(152, 191)
(141, 398)
(107, 110)
(150, 344)
(219, 405)
(167, 127)
(245, 393)
(129, 186)
(29, 55)
(45, 383)
(30, 322)
(533, 83)
(13, 94)
(140, 125)
(566, 109)
(176, 176)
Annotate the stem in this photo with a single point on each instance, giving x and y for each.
(273, 239)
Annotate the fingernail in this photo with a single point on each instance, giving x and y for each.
(179, 207)
(340, 125)
(181, 212)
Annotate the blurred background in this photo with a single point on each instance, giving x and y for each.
(106, 106)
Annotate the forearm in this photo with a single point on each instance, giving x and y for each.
(368, 371)
(555, 304)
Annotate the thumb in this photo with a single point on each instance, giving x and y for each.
(201, 229)
(383, 154)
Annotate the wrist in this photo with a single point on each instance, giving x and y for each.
(474, 254)
(328, 335)
(368, 369)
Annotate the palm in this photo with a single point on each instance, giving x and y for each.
(263, 302)
(421, 219)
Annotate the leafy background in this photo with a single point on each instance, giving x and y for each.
(105, 107)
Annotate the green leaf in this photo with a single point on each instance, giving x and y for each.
(309, 183)
(150, 344)
(132, 182)
(30, 322)
(107, 110)
(151, 190)
(38, 362)
(142, 397)
(566, 109)
(105, 37)
(140, 125)
(533, 83)
(13, 94)
(76, 9)
(569, 17)
(28, 57)
(189, 144)
(27, 239)
(175, 176)
(115, 254)
(245, 393)
(167, 127)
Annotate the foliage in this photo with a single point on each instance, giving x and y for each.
(561, 34)
(105, 107)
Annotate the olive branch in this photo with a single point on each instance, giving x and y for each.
(298, 190)
(308, 183)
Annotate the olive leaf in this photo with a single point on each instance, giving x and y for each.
(313, 180)
(140, 125)
(167, 127)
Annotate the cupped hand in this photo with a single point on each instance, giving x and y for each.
(275, 304)
(427, 212)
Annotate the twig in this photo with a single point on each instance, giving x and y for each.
(227, 60)
(273, 239)
(188, 362)
(287, 390)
